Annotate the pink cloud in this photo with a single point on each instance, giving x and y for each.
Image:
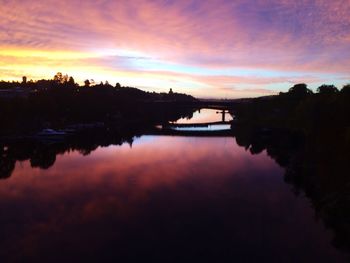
(310, 37)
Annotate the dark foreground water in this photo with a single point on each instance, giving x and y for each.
(166, 199)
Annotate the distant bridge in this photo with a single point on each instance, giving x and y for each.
(223, 107)
(170, 129)
(194, 125)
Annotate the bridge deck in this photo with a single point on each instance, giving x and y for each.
(193, 125)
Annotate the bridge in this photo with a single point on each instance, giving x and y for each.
(179, 129)
(222, 107)
(197, 125)
(170, 129)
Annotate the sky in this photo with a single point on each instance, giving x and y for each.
(209, 49)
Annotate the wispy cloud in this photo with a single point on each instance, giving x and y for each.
(310, 38)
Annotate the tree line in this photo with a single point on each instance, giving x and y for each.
(299, 109)
(61, 101)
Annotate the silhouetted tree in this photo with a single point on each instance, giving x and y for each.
(327, 89)
(71, 81)
(65, 78)
(346, 89)
(118, 85)
(58, 77)
(299, 90)
(87, 83)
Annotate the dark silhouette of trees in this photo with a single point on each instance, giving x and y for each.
(327, 89)
(55, 103)
(71, 81)
(118, 86)
(299, 109)
(320, 167)
(346, 89)
(87, 83)
(59, 78)
(299, 90)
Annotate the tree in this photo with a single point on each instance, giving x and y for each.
(65, 79)
(58, 77)
(118, 85)
(346, 89)
(87, 83)
(299, 90)
(71, 81)
(327, 89)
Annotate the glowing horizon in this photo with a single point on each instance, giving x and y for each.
(219, 48)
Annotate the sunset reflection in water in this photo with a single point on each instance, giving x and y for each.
(163, 197)
(205, 116)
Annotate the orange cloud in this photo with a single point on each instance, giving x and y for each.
(311, 38)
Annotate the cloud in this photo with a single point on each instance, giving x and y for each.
(309, 37)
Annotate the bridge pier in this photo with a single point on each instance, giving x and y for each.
(223, 112)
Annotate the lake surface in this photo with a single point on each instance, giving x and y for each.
(206, 116)
(161, 198)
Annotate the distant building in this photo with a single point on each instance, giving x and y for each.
(24, 79)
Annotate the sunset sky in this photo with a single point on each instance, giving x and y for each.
(214, 48)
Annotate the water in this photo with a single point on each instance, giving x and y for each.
(163, 198)
(205, 116)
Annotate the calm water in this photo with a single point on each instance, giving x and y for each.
(204, 116)
(171, 199)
